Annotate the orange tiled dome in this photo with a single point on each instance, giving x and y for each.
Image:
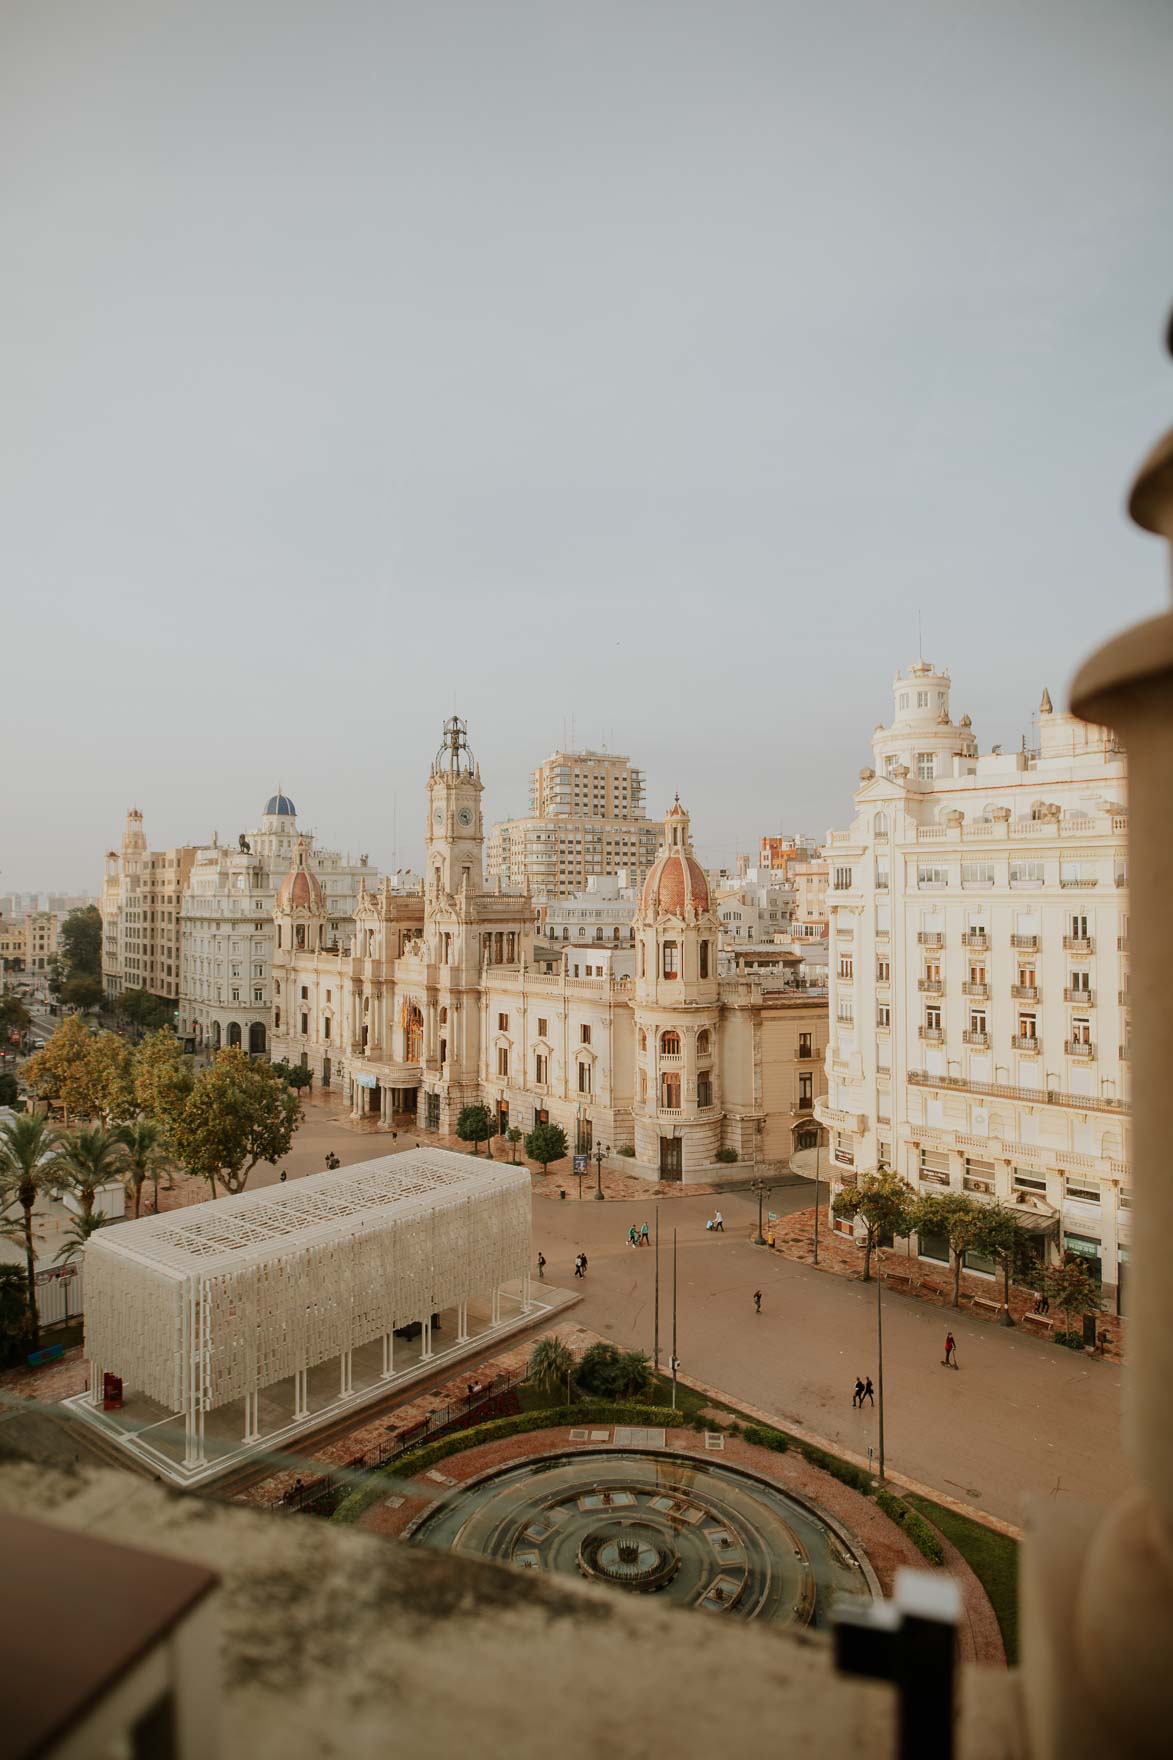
(676, 883)
(301, 888)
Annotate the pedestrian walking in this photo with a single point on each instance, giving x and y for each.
(857, 1396)
(583, 1257)
(633, 1236)
(541, 1264)
(578, 1264)
(757, 1301)
(868, 1393)
(950, 1351)
(718, 1223)
(645, 1237)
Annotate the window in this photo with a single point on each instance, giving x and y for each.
(977, 873)
(305, 994)
(502, 1023)
(1027, 1026)
(846, 966)
(584, 1034)
(804, 1045)
(883, 971)
(842, 880)
(704, 1090)
(977, 1021)
(883, 1014)
(502, 1060)
(1081, 981)
(806, 1088)
(922, 699)
(584, 1078)
(543, 1027)
(925, 766)
(1081, 1031)
(1029, 1182)
(845, 1011)
(670, 1089)
(704, 957)
(277, 1017)
(933, 1018)
(670, 1043)
(934, 1167)
(891, 761)
(703, 1042)
(1026, 873)
(305, 1023)
(671, 959)
(932, 874)
(1082, 1192)
(540, 1065)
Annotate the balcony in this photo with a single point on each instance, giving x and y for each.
(1079, 943)
(855, 1122)
(930, 938)
(977, 938)
(671, 1059)
(975, 989)
(1025, 992)
(1027, 1043)
(981, 1039)
(1028, 943)
(922, 1078)
(934, 1035)
(1076, 884)
(1075, 994)
(1079, 1048)
(931, 986)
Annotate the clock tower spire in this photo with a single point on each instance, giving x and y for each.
(455, 839)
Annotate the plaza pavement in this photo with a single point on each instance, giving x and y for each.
(1020, 1416)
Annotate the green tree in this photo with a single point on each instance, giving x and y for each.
(293, 1074)
(883, 1202)
(27, 1148)
(144, 1011)
(144, 1158)
(1073, 1289)
(475, 1125)
(613, 1374)
(239, 1112)
(86, 1074)
(83, 991)
(77, 1233)
(551, 1364)
(1000, 1235)
(14, 1314)
(9, 1088)
(514, 1134)
(81, 942)
(14, 1017)
(162, 1081)
(87, 1160)
(546, 1143)
(956, 1217)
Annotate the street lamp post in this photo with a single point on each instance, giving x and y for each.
(880, 1168)
(818, 1151)
(601, 1155)
(762, 1189)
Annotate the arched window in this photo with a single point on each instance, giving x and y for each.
(413, 1033)
(278, 934)
(671, 959)
(300, 935)
(643, 960)
(443, 1017)
(670, 1043)
(880, 825)
(704, 962)
(276, 1020)
(277, 987)
(703, 1042)
(370, 944)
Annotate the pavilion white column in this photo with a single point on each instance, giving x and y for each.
(346, 1376)
(426, 1342)
(496, 1307)
(96, 1384)
(301, 1393)
(462, 1323)
(388, 1355)
(252, 1424)
(1097, 1596)
(526, 1297)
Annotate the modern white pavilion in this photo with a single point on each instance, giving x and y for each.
(238, 1324)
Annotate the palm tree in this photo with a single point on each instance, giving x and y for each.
(88, 1160)
(76, 1235)
(551, 1364)
(144, 1158)
(27, 1151)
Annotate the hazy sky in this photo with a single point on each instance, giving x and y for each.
(647, 363)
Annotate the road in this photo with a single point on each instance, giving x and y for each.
(1020, 1416)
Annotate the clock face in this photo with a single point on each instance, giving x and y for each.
(465, 816)
(438, 815)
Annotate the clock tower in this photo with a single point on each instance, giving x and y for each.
(455, 836)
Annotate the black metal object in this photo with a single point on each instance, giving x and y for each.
(912, 1642)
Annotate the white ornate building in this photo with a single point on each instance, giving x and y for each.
(226, 924)
(437, 1002)
(140, 904)
(979, 970)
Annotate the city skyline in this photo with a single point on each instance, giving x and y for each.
(549, 367)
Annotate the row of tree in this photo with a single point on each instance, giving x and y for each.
(885, 1206)
(544, 1144)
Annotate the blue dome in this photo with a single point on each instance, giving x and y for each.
(282, 806)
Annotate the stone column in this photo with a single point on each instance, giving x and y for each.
(426, 1340)
(1098, 1588)
(462, 1323)
(346, 1374)
(388, 1355)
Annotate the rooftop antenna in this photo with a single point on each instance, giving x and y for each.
(920, 641)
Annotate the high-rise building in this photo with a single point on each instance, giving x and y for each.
(140, 904)
(227, 926)
(979, 973)
(586, 817)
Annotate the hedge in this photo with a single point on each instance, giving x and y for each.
(420, 1460)
(757, 1433)
(917, 1529)
(857, 1477)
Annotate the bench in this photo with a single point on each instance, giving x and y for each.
(986, 1305)
(52, 1353)
(1040, 1323)
(900, 1281)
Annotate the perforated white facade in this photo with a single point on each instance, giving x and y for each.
(197, 1309)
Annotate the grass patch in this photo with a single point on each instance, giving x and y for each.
(993, 1559)
(914, 1525)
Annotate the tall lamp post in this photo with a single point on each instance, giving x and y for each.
(880, 1168)
(818, 1151)
(601, 1155)
(763, 1190)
